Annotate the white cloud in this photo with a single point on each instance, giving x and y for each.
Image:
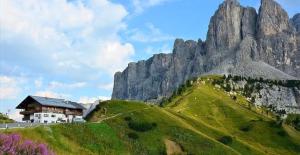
(52, 94)
(57, 85)
(104, 98)
(9, 87)
(107, 86)
(63, 38)
(113, 56)
(151, 34)
(85, 99)
(141, 5)
(38, 83)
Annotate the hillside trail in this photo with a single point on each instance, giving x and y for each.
(119, 114)
(172, 147)
(189, 126)
(209, 126)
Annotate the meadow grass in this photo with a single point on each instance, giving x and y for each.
(201, 120)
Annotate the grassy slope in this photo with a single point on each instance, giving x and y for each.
(152, 142)
(5, 119)
(194, 120)
(87, 138)
(212, 111)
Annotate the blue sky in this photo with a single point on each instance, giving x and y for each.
(71, 49)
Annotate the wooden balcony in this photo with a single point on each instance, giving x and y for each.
(28, 112)
(77, 113)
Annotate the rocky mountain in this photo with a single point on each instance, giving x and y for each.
(296, 21)
(239, 41)
(276, 95)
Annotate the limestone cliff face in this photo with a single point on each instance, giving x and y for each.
(224, 33)
(277, 42)
(280, 97)
(296, 22)
(161, 74)
(267, 94)
(239, 41)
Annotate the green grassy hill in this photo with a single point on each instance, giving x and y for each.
(201, 120)
(5, 119)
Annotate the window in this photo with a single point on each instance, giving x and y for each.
(53, 115)
(46, 115)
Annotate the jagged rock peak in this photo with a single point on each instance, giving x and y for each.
(272, 18)
(296, 21)
(236, 2)
(224, 30)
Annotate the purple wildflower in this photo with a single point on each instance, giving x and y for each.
(12, 145)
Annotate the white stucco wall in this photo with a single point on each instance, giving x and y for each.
(48, 117)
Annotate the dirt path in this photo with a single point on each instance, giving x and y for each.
(188, 126)
(119, 114)
(172, 147)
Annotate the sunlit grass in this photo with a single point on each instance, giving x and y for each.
(201, 120)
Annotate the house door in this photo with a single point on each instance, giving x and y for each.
(70, 118)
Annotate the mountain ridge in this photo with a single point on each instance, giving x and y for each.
(239, 41)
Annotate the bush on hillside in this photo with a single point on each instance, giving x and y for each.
(217, 81)
(127, 118)
(275, 124)
(225, 140)
(234, 97)
(133, 135)
(179, 91)
(293, 120)
(281, 133)
(5, 119)
(141, 126)
(246, 128)
(227, 88)
(252, 100)
(154, 124)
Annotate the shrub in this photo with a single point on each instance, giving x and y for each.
(127, 118)
(227, 88)
(281, 133)
(141, 126)
(5, 119)
(293, 120)
(225, 140)
(133, 135)
(275, 124)
(234, 97)
(12, 144)
(246, 128)
(252, 100)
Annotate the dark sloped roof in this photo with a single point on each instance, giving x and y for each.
(54, 102)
